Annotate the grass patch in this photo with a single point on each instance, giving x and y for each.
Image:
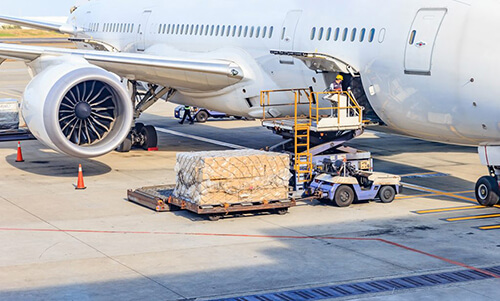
(29, 33)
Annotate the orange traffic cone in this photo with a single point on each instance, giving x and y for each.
(80, 185)
(19, 153)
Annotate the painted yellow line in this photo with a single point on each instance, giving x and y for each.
(429, 194)
(419, 174)
(490, 227)
(465, 218)
(450, 194)
(449, 209)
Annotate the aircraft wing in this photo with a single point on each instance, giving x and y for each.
(52, 26)
(175, 72)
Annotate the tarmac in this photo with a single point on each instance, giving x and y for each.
(58, 243)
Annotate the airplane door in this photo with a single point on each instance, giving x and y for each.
(141, 32)
(288, 34)
(421, 40)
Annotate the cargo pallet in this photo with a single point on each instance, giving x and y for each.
(161, 199)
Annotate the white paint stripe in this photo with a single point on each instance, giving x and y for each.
(216, 142)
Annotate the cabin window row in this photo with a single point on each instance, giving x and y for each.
(118, 27)
(217, 30)
(339, 34)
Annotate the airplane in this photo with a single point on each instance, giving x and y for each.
(426, 67)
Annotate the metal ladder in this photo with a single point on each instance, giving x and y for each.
(302, 138)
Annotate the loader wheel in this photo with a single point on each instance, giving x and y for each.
(487, 191)
(387, 194)
(344, 196)
(214, 217)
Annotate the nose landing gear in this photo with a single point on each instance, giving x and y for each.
(488, 187)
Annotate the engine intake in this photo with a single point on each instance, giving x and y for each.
(78, 109)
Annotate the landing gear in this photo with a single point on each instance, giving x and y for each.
(143, 97)
(143, 136)
(487, 191)
(488, 187)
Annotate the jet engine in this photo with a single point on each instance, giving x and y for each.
(78, 109)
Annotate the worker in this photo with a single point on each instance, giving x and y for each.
(337, 84)
(187, 113)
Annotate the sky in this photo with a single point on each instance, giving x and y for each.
(37, 8)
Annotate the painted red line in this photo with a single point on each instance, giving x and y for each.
(453, 262)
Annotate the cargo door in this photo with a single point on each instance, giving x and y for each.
(142, 30)
(421, 40)
(287, 37)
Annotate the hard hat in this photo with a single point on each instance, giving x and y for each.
(340, 77)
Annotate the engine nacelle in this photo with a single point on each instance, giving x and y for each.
(78, 109)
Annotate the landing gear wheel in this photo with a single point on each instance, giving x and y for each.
(238, 117)
(202, 116)
(214, 217)
(281, 211)
(487, 191)
(387, 194)
(138, 127)
(126, 145)
(344, 196)
(150, 137)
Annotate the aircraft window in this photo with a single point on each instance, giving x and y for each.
(412, 37)
(132, 28)
(353, 34)
(320, 34)
(271, 29)
(139, 28)
(328, 33)
(182, 29)
(223, 30)
(381, 35)
(212, 29)
(159, 28)
(217, 30)
(344, 34)
(264, 31)
(207, 28)
(257, 33)
(337, 33)
(372, 35)
(245, 33)
(196, 28)
(113, 27)
(201, 29)
(251, 31)
(121, 27)
(228, 31)
(362, 35)
(283, 33)
(313, 33)
(240, 29)
(177, 27)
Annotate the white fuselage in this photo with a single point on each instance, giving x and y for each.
(428, 68)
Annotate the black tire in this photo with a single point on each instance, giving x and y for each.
(387, 194)
(344, 196)
(150, 137)
(281, 211)
(202, 116)
(138, 127)
(238, 117)
(487, 191)
(126, 145)
(214, 217)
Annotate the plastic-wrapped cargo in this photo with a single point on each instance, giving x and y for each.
(9, 114)
(231, 177)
